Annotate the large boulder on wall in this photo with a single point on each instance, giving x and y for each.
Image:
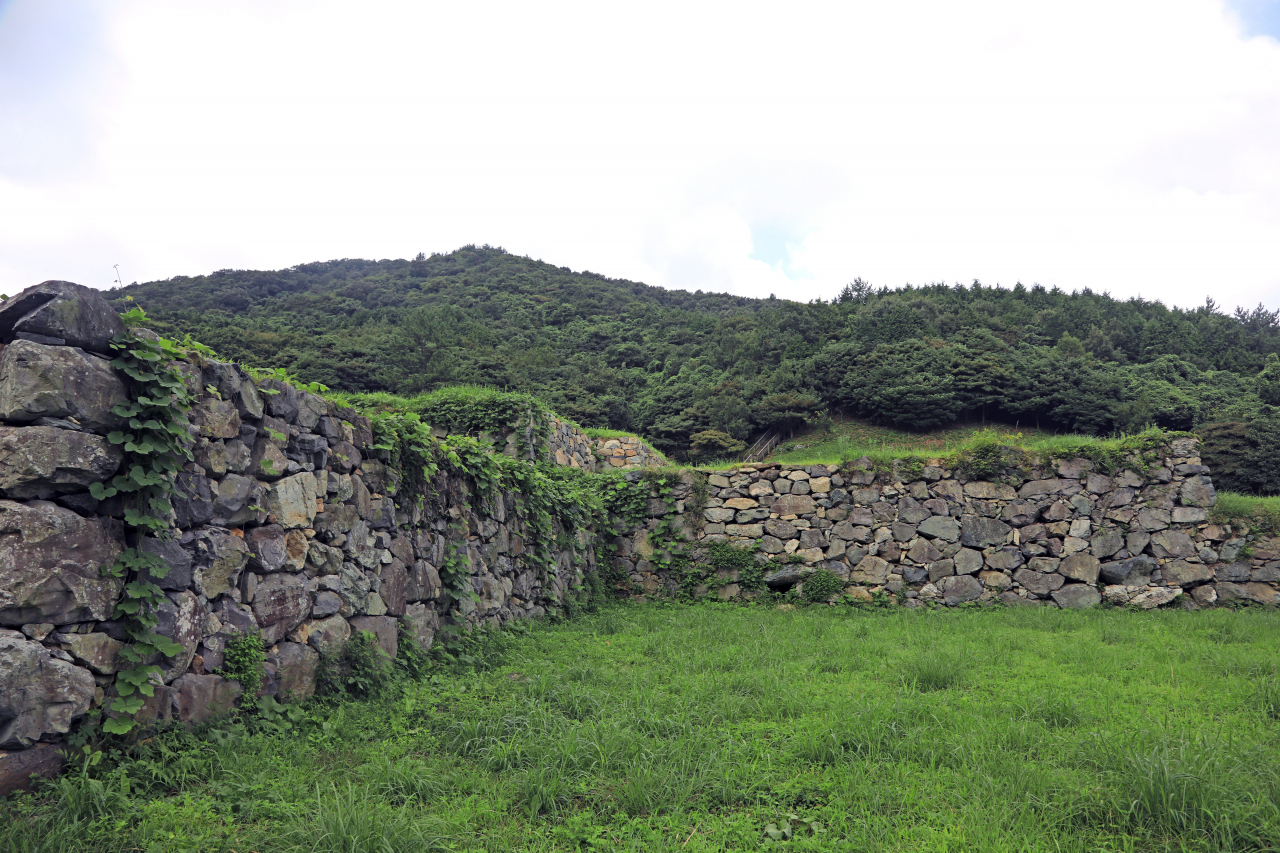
(49, 564)
(44, 461)
(60, 313)
(38, 381)
(40, 695)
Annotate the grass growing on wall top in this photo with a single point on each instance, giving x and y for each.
(1262, 512)
(595, 432)
(459, 408)
(673, 728)
(883, 446)
(839, 436)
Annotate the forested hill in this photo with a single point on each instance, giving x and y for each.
(670, 363)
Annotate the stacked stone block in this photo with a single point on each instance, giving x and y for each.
(569, 446)
(628, 452)
(1063, 536)
(283, 524)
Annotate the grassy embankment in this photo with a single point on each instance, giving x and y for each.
(665, 727)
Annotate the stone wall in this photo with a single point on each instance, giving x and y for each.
(1061, 536)
(283, 525)
(570, 446)
(629, 451)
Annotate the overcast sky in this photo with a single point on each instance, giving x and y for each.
(1129, 147)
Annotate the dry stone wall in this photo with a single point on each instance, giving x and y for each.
(628, 452)
(568, 445)
(284, 524)
(1067, 535)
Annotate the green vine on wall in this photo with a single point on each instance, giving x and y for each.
(551, 501)
(155, 442)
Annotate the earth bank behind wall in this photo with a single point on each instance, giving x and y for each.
(1062, 536)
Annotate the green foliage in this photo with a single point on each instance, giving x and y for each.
(646, 727)
(715, 443)
(1228, 449)
(360, 668)
(596, 432)
(243, 662)
(822, 585)
(1245, 457)
(934, 671)
(670, 364)
(987, 456)
(413, 661)
(278, 374)
(466, 649)
(154, 444)
(788, 410)
(1262, 514)
(1268, 698)
(468, 408)
(727, 557)
(910, 468)
(551, 500)
(347, 819)
(903, 384)
(1269, 381)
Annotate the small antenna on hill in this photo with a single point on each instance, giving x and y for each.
(119, 283)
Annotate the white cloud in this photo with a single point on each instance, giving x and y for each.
(1126, 147)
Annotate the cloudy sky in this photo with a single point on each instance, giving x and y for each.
(1131, 147)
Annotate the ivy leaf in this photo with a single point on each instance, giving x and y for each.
(165, 646)
(118, 725)
(101, 492)
(115, 570)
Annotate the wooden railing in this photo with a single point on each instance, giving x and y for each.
(763, 446)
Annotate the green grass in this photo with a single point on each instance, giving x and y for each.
(693, 728)
(383, 401)
(1262, 512)
(595, 432)
(851, 439)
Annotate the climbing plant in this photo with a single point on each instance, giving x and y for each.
(154, 439)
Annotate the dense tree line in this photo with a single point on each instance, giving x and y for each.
(673, 364)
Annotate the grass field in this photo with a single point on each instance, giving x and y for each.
(695, 728)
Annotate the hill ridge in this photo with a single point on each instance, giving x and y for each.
(671, 364)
